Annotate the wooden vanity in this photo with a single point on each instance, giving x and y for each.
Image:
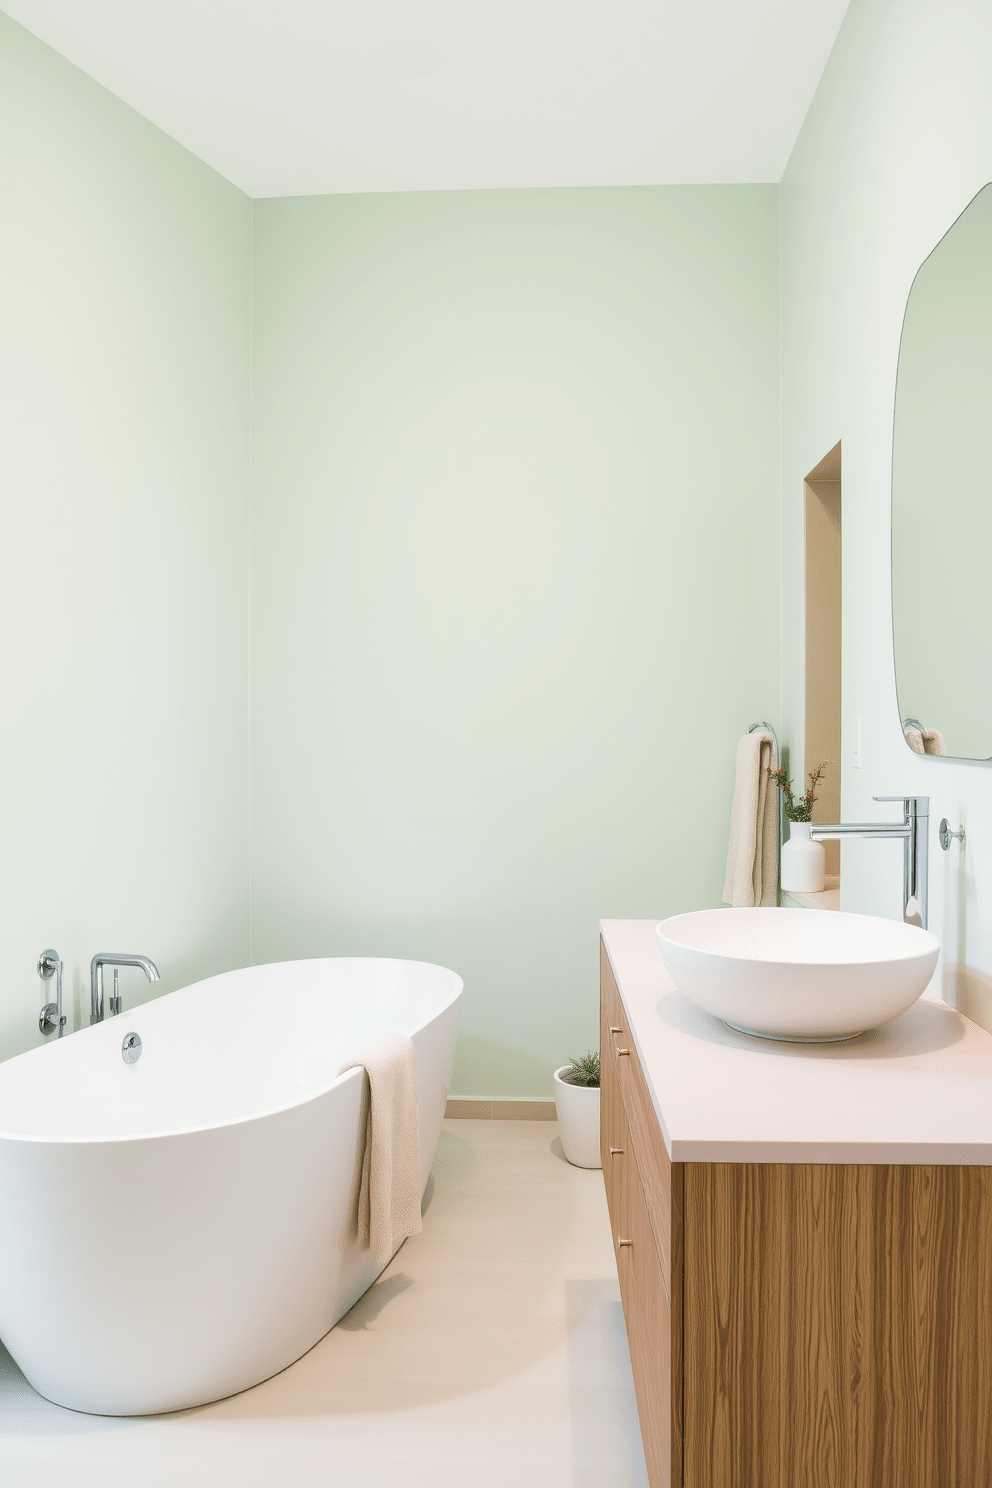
(804, 1240)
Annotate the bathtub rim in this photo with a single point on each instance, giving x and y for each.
(353, 1072)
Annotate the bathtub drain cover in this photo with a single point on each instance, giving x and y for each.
(131, 1048)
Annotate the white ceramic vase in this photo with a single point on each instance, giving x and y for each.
(802, 861)
(577, 1107)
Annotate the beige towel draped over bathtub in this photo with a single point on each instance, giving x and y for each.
(752, 861)
(389, 1197)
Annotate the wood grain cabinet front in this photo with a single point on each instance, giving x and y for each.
(639, 1185)
(796, 1325)
(647, 1305)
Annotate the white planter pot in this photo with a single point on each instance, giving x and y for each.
(802, 861)
(578, 1121)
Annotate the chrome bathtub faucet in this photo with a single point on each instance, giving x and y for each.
(914, 829)
(114, 958)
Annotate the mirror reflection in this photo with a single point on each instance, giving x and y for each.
(942, 495)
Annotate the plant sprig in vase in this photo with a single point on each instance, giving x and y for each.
(802, 858)
(801, 810)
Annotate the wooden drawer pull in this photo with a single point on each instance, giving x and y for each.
(616, 1030)
(621, 1243)
(616, 1152)
(623, 1051)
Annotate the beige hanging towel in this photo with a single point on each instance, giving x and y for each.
(389, 1197)
(925, 741)
(752, 861)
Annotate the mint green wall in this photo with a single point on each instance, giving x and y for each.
(515, 593)
(124, 395)
(897, 142)
(514, 566)
(515, 541)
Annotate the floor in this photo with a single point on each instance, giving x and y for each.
(491, 1351)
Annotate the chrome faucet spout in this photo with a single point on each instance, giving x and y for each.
(114, 958)
(835, 831)
(914, 832)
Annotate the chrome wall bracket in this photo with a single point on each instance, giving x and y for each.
(945, 836)
(51, 1017)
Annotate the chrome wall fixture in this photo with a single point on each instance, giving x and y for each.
(945, 836)
(51, 1017)
(914, 829)
(131, 1048)
(114, 958)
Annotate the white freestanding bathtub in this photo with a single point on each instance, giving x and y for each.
(177, 1229)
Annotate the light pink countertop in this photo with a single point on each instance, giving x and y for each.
(916, 1090)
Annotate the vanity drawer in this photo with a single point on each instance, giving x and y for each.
(617, 1159)
(655, 1166)
(649, 1324)
(613, 1026)
(611, 1131)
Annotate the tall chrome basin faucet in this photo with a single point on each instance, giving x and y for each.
(113, 958)
(914, 829)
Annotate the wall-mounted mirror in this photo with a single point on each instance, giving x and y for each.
(942, 494)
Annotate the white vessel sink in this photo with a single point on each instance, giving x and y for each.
(805, 976)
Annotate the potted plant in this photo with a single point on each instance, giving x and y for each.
(802, 858)
(577, 1107)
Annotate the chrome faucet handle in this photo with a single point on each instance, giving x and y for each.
(51, 1016)
(922, 803)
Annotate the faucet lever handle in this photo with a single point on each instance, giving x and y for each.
(922, 803)
(48, 965)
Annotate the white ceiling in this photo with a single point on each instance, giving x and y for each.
(295, 97)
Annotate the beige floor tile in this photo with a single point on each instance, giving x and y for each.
(492, 1350)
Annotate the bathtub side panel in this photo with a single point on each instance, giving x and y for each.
(198, 1264)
